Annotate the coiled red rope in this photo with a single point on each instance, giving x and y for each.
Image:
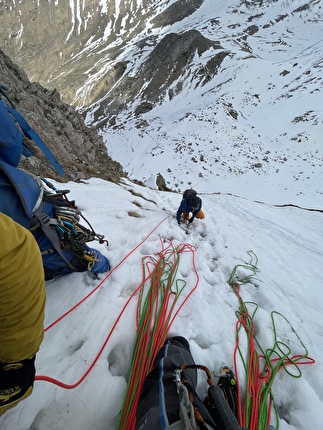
(156, 312)
(261, 365)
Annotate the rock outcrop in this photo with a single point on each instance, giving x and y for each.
(78, 148)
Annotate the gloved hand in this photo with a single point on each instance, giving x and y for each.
(16, 382)
(190, 220)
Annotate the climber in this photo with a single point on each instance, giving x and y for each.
(22, 304)
(52, 218)
(190, 207)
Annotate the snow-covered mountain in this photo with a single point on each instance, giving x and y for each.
(244, 116)
(223, 95)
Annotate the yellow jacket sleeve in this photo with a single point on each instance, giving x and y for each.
(22, 292)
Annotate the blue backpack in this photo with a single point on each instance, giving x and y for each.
(37, 205)
(11, 142)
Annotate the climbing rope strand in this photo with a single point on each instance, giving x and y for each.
(249, 266)
(71, 386)
(261, 367)
(156, 311)
(105, 279)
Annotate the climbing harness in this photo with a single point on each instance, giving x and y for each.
(186, 410)
(216, 402)
(186, 388)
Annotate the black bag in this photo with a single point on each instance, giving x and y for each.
(169, 398)
(161, 402)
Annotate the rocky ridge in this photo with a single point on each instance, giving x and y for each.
(78, 148)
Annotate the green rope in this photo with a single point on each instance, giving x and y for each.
(157, 298)
(262, 366)
(251, 266)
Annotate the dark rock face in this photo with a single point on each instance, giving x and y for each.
(78, 148)
(161, 183)
(176, 12)
(164, 66)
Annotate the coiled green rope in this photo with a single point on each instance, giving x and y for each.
(158, 296)
(260, 365)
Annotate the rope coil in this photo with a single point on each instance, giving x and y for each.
(155, 315)
(261, 365)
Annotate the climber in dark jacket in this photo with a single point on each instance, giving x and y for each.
(190, 207)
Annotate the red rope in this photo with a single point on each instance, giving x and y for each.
(258, 398)
(154, 325)
(71, 386)
(108, 276)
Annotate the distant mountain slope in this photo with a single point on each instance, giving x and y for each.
(86, 49)
(223, 95)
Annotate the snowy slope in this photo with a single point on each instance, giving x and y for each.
(254, 129)
(251, 133)
(286, 242)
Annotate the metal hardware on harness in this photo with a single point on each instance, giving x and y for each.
(73, 214)
(186, 410)
(44, 219)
